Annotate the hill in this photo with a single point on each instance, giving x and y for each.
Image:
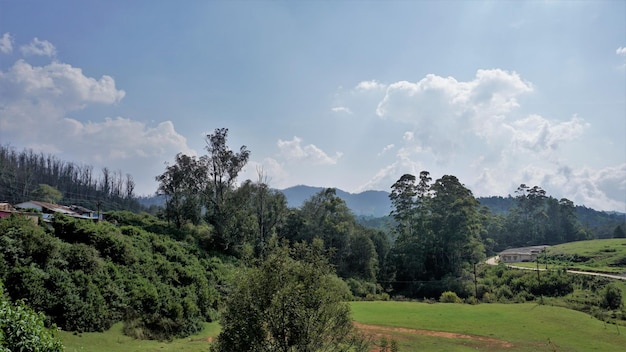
(368, 203)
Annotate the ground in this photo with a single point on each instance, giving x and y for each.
(376, 332)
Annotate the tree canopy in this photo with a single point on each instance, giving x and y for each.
(291, 301)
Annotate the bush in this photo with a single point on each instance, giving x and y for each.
(450, 297)
(22, 329)
(612, 297)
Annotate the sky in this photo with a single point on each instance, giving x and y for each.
(346, 94)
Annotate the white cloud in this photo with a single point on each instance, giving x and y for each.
(39, 47)
(603, 189)
(36, 113)
(293, 150)
(388, 175)
(271, 169)
(621, 51)
(6, 43)
(478, 130)
(387, 148)
(369, 85)
(536, 133)
(61, 83)
(341, 109)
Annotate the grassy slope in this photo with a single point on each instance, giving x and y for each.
(606, 256)
(528, 326)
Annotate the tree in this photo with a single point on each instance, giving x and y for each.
(414, 236)
(403, 193)
(259, 212)
(223, 167)
(619, 232)
(182, 184)
(291, 302)
(47, 193)
(456, 227)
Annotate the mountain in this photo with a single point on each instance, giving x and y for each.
(368, 203)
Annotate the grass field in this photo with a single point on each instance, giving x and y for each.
(422, 327)
(489, 327)
(608, 255)
(601, 256)
(113, 340)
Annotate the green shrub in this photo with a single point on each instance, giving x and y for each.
(612, 297)
(450, 297)
(488, 297)
(22, 329)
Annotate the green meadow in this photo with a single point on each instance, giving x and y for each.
(607, 255)
(422, 327)
(526, 327)
(114, 340)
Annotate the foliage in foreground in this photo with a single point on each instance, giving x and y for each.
(292, 301)
(88, 276)
(22, 329)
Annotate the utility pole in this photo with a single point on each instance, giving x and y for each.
(475, 283)
(538, 279)
(99, 203)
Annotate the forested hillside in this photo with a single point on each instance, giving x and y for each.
(22, 174)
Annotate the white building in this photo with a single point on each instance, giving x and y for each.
(523, 254)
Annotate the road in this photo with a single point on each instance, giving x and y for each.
(494, 261)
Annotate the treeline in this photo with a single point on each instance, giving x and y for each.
(598, 224)
(534, 219)
(22, 173)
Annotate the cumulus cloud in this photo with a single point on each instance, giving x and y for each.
(272, 171)
(537, 133)
(39, 47)
(369, 85)
(36, 112)
(6, 43)
(479, 130)
(67, 86)
(294, 151)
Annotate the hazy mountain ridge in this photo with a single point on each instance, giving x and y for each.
(372, 203)
(377, 204)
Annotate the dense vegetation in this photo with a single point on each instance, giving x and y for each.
(240, 250)
(106, 274)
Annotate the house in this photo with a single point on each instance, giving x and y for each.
(46, 208)
(523, 254)
(7, 210)
(49, 209)
(82, 211)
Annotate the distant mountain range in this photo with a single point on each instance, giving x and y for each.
(368, 203)
(377, 204)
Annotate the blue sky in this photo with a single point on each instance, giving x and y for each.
(347, 94)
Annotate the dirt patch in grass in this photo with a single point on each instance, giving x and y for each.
(379, 331)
